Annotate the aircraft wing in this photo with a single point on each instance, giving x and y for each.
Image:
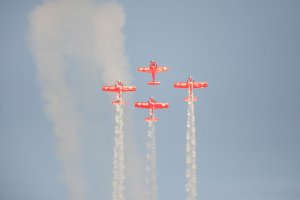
(181, 85)
(110, 89)
(142, 104)
(128, 88)
(162, 69)
(200, 84)
(161, 105)
(144, 69)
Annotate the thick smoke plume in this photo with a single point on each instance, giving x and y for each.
(191, 176)
(151, 182)
(67, 35)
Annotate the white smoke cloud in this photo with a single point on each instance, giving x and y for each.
(86, 34)
(85, 29)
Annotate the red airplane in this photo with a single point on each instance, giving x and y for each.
(153, 68)
(119, 88)
(151, 105)
(190, 84)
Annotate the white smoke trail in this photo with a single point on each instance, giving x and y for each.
(151, 184)
(119, 166)
(89, 32)
(191, 176)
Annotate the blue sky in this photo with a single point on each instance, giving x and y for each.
(247, 120)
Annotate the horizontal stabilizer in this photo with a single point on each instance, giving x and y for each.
(191, 99)
(151, 119)
(153, 83)
(119, 102)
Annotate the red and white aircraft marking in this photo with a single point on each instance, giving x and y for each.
(190, 84)
(119, 88)
(153, 68)
(151, 105)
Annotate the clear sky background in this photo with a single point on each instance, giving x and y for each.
(248, 119)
